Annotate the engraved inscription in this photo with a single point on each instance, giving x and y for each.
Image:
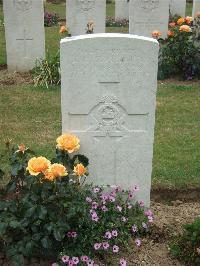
(149, 4)
(23, 5)
(86, 5)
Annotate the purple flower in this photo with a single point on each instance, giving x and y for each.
(114, 233)
(75, 260)
(90, 263)
(96, 189)
(148, 213)
(141, 203)
(88, 199)
(97, 246)
(115, 248)
(69, 234)
(150, 219)
(104, 197)
(105, 245)
(71, 263)
(94, 205)
(95, 218)
(54, 264)
(65, 259)
(74, 234)
(84, 258)
(104, 208)
(129, 206)
(138, 242)
(131, 195)
(122, 262)
(119, 208)
(124, 219)
(134, 228)
(136, 188)
(111, 198)
(108, 235)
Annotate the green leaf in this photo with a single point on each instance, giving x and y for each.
(58, 235)
(41, 211)
(3, 227)
(15, 224)
(30, 211)
(45, 242)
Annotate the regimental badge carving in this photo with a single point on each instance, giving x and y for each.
(149, 4)
(23, 5)
(87, 5)
(108, 118)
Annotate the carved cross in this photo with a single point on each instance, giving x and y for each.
(25, 39)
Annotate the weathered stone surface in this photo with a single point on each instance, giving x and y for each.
(109, 86)
(121, 9)
(178, 7)
(146, 16)
(196, 7)
(80, 12)
(24, 31)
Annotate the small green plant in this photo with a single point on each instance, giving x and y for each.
(187, 246)
(50, 19)
(47, 71)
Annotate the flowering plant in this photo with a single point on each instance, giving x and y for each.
(179, 54)
(112, 22)
(47, 210)
(50, 19)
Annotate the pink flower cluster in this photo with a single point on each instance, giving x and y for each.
(72, 234)
(149, 215)
(75, 261)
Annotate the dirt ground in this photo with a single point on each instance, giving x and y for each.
(169, 219)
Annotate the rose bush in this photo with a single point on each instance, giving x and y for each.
(47, 210)
(179, 56)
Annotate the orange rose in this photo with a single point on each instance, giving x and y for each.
(68, 143)
(55, 170)
(156, 34)
(172, 24)
(188, 20)
(63, 29)
(80, 170)
(37, 165)
(180, 21)
(170, 33)
(21, 148)
(185, 28)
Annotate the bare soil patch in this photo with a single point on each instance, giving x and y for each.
(14, 78)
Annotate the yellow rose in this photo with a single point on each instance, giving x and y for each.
(156, 34)
(180, 21)
(80, 170)
(58, 170)
(68, 142)
(185, 28)
(37, 165)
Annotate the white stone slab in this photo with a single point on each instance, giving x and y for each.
(80, 12)
(24, 31)
(178, 7)
(121, 9)
(146, 16)
(196, 7)
(109, 84)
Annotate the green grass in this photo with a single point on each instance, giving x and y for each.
(177, 142)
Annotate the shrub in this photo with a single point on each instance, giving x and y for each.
(178, 53)
(47, 71)
(46, 208)
(111, 22)
(187, 246)
(50, 19)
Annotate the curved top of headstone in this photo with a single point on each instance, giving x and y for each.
(108, 35)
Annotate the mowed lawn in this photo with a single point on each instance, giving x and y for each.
(32, 116)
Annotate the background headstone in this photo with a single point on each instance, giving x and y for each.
(178, 7)
(146, 16)
(121, 9)
(109, 86)
(196, 7)
(24, 31)
(80, 12)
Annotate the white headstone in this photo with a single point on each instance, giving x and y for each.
(121, 9)
(109, 84)
(178, 7)
(196, 7)
(146, 16)
(80, 12)
(24, 31)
